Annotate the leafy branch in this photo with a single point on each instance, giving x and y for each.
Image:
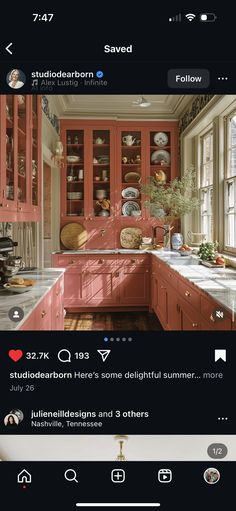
(173, 201)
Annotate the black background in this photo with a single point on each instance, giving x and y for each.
(177, 406)
(49, 490)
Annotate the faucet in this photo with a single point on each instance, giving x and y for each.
(154, 229)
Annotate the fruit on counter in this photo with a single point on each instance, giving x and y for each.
(185, 248)
(220, 260)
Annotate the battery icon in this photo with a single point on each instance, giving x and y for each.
(208, 17)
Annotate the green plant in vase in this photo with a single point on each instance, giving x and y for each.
(172, 201)
(208, 250)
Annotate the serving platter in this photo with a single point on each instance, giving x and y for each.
(130, 193)
(130, 206)
(132, 177)
(160, 138)
(160, 155)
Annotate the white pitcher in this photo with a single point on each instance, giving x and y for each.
(196, 237)
(128, 140)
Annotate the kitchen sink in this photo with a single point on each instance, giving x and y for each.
(184, 261)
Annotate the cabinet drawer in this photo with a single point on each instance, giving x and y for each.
(208, 307)
(101, 260)
(69, 261)
(135, 260)
(169, 276)
(157, 265)
(189, 294)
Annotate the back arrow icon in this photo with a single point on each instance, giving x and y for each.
(8, 48)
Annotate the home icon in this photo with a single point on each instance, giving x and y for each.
(24, 477)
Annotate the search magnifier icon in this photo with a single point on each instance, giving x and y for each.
(64, 355)
(70, 475)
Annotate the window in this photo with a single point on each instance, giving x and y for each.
(230, 185)
(206, 185)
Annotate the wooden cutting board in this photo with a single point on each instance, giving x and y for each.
(73, 235)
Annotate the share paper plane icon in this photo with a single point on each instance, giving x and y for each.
(104, 354)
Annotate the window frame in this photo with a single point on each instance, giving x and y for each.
(228, 179)
(209, 189)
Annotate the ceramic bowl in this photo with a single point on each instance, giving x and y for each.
(146, 240)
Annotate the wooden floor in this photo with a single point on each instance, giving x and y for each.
(112, 321)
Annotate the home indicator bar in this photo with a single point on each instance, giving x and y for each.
(117, 504)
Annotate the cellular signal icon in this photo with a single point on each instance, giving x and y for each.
(176, 18)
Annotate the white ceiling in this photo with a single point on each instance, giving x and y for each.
(164, 106)
(105, 447)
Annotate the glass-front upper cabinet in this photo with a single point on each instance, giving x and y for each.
(20, 155)
(101, 175)
(22, 167)
(132, 175)
(9, 192)
(74, 186)
(35, 152)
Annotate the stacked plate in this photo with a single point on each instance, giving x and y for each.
(103, 158)
(74, 195)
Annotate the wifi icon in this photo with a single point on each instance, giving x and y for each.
(190, 16)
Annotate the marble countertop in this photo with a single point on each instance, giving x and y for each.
(101, 251)
(218, 283)
(45, 280)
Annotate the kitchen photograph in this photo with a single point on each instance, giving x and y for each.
(117, 212)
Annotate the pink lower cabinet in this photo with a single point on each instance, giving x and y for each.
(189, 316)
(29, 323)
(75, 287)
(58, 305)
(43, 313)
(134, 285)
(102, 286)
(49, 313)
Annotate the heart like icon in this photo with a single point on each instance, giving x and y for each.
(15, 355)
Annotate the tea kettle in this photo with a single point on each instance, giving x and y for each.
(128, 140)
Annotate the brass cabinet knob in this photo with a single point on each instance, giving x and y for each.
(187, 293)
(163, 287)
(212, 318)
(43, 313)
(7, 205)
(72, 261)
(100, 261)
(195, 325)
(147, 271)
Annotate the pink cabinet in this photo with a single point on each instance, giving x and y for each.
(134, 286)
(49, 313)
(43, 313)
(102, 286)
(189, 317)
(29, 323)
(58, 305)
(20, 157)
(75, 291)
(104, 280)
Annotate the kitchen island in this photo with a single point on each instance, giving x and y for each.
(42, 305)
